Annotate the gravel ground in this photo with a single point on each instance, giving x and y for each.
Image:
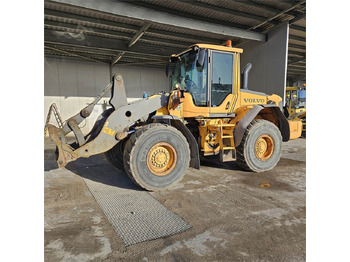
(235, 215)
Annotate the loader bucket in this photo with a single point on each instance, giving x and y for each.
(110, 127)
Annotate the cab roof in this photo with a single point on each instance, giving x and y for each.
(213, 47)
(219, 47)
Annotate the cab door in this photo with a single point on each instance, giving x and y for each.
(221, 83)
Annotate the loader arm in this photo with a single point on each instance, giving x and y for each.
(111, 130)
(85, 112)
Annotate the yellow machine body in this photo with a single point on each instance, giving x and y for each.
(217, 124)
(296, 127)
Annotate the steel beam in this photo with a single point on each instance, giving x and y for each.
(297, 18)
(63, 17)
(134, 12)
(136, 37)
(296, 70)
(112, 44)
(159, 63)
(117, 58)
(298, 38)
(185, 13)
(67, 17)
(122, 59)
(83, 48)
(228, 11)
(296, 53)
(89, 52)
(296, 27)
(296, 46)
(73, 54)
(296, 60)
(139, 34)
(103, 55)
(72, 28)
(49, 52)
(267, 7)
(279, 14)
(297, 66)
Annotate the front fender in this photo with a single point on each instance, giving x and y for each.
(242, 125)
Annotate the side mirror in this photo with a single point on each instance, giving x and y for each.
(201, 57)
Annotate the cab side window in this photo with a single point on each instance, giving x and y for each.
(222, 78)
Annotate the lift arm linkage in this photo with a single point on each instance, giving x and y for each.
(109, 128)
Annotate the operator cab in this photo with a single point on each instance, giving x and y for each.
(206, 72)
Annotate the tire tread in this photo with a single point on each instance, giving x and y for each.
(134, 140)
(241, 159)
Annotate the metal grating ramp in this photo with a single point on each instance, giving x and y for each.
(134, 214)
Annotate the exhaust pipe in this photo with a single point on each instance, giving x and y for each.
(244, 76)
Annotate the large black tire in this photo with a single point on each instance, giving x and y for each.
(115, 155)
(251, 154)
(152, 148)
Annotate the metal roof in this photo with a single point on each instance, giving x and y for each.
(147, 32)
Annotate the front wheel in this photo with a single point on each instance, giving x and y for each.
(156, 156)
(261, 147)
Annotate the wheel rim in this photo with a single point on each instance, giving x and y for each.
(264, 147)
(161, 159)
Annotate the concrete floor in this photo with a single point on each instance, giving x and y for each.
(232, 217)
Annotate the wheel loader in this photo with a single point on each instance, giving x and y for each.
(295, 108)
(208, 111)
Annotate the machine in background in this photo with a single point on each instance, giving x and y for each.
(295, 107)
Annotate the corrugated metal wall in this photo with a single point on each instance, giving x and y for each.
(73, 84)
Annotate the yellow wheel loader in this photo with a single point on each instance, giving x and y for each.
(208, 111)
(295, 109)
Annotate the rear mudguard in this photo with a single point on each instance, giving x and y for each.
(195, 161)
(115, 127)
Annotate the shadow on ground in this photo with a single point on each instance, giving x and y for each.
(95, 168)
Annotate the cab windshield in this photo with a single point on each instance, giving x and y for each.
(191, 78)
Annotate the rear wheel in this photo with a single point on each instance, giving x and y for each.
(115, 155)
(261, 147)
(156, 156)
